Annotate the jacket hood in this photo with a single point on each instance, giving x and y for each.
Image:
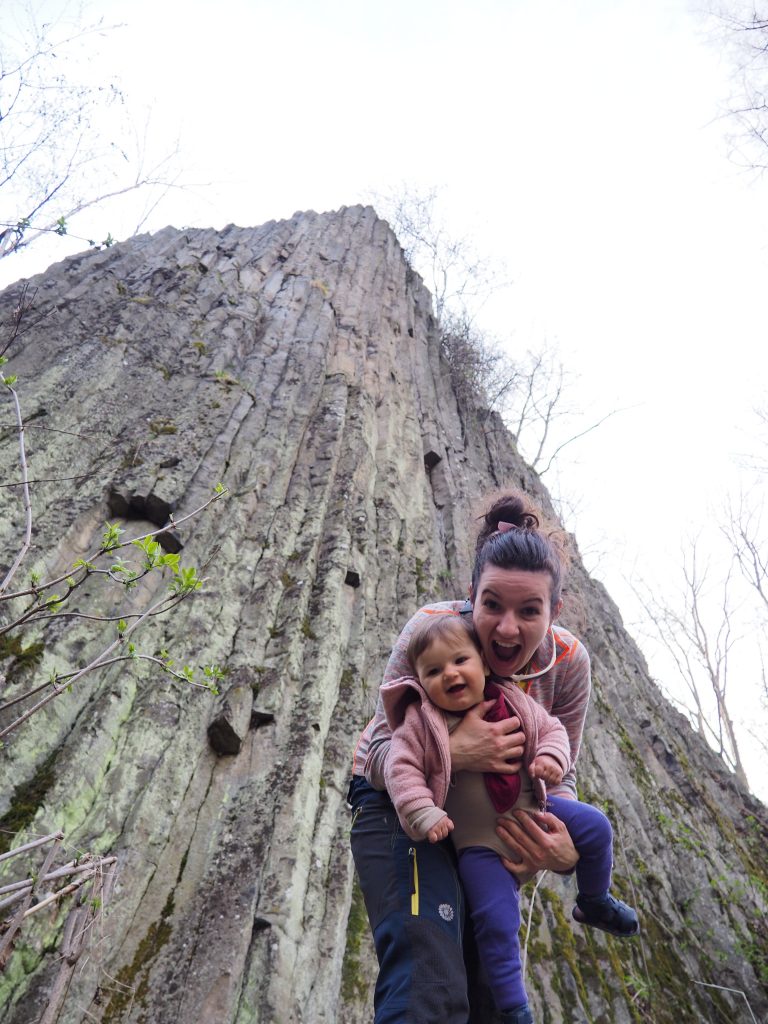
(397, 695)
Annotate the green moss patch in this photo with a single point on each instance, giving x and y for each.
(354, 983)
(27, 798)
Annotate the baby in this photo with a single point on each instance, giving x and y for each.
(450, 677)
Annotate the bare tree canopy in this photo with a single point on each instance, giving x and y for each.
(66, 143)
(531, 390)
(741, 29)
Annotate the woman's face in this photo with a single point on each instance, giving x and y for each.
(511, 612)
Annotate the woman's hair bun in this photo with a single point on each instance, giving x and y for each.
(509, 508)
(525, 541)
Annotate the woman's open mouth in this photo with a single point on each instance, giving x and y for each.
(506, 652)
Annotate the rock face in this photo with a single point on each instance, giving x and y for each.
(298, 363)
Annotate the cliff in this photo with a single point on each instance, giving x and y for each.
(298, 363)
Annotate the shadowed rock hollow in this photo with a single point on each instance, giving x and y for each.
(298, 363)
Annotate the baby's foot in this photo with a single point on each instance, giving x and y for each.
(520, 1015)
(608, 914)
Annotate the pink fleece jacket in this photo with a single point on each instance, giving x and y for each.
(563, 691)
(418, 770)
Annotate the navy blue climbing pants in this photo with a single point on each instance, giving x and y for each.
(492, 894)
(415, 908)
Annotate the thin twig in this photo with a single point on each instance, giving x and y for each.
(41, 613)
(74, 676)
(32, 845)
(171, 524)
(72, 868)
(72, 887)
(27, 503)
(539, 880)
(15, 922)
(97, 662)
(46, 480)
(724, 988)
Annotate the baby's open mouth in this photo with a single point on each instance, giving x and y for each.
(456, 688)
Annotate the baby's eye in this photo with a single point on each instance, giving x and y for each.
(461, 659)
(432, 671)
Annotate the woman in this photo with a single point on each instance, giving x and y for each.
(412, 892)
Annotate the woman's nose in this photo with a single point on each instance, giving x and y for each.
(509, 627)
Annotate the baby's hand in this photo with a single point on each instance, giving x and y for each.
(547, 768)
(440, 830)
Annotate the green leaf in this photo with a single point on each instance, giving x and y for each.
(111, 536)
(170, 561)
(186, 581)
(151, 550)
(122, 626)
(10, 380)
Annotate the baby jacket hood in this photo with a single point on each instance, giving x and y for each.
(397, 695)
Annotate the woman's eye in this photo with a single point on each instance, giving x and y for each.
(530, 613)
(491, 605)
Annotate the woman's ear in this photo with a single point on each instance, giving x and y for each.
(556, 611)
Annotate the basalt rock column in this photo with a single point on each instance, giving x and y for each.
(298, 363)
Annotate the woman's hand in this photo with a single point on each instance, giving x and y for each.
(480, 746)
(535, 848)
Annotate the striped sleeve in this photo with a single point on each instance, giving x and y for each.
(569, 702)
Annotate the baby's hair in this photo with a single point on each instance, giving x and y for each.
(436, 626)
(511, 537)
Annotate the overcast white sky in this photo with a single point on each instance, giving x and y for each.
(577, 142)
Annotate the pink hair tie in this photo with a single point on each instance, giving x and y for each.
(504, 527)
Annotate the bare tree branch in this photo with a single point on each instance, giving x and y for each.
(25, 497)
(700, 650)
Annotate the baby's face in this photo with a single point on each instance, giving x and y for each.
(452, 672)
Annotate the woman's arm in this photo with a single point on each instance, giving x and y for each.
(571, 700)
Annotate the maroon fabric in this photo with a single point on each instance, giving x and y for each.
(502, 789)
